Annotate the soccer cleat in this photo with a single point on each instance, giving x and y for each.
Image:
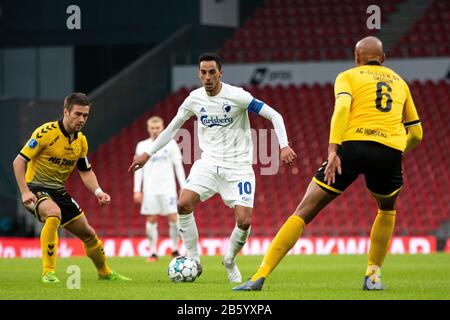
(251, 285)
(175, 253)
(113, 276)
(372, 283)
(234, 274)
(153, 258)
(50, 277)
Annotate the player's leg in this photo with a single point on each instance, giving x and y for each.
(186, 222)
(93, 247)
(314, 200)
(384, 180)
(380, 238)
(237, 190)
(151, 230)
(151, 207)
(173, 233)
(317, 197)
(169, 209)
(200, 186)
(50, 214)
(237, 240)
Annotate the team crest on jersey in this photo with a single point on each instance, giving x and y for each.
(226, 107)
(32, 143)
(77, 149)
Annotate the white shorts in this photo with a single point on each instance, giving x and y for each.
(159, 204)
(235, 186)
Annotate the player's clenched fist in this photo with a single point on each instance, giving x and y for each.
(103, 198)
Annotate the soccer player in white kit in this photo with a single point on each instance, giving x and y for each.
(225, 166)
(155, 187)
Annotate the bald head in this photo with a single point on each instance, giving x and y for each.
(369, 49)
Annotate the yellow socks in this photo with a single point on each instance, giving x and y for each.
(49, 244)
(94, 250)
(380, 237)
(285, 239)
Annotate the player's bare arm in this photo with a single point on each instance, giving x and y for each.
(20, 166)
(90, 181)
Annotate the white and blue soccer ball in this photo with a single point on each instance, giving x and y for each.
(182, 269)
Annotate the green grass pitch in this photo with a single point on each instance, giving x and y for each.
(297, 277)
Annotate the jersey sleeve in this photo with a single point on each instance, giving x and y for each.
(410, 115)
(342, 85)
(183, 114)
(243, 98)
(38, 141)
(184, 111)
(83, 162)
(343, 100)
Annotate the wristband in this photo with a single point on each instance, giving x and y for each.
(98, 191)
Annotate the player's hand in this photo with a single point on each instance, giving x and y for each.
(288, 155)
(137, 197)
(28, 199)
(333, 165)
(103, 199)
(139, 161)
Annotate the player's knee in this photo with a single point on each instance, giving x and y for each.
(88, 234)
(244, 223)
(387, 204)
(184, 207)
(52, 212)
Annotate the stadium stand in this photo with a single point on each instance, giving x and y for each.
(429, 36)
(306, 110)
(296, 30)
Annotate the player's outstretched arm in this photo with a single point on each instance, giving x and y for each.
(287, 155)
(90, 181)
(140, 160)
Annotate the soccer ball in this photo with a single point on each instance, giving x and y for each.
(182, 269)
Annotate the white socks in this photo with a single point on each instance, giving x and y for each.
(237, 241)
(173, 234)
(151, 230)
(189, 234)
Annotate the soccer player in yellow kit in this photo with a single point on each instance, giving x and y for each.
(373, 124)
(41, 169)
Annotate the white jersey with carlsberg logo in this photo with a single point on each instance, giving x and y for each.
(157, 176)
(223, 125)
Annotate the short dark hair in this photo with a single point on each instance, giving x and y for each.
(208, 56)
(78, 98)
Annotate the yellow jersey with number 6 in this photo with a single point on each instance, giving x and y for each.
(381, 107)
